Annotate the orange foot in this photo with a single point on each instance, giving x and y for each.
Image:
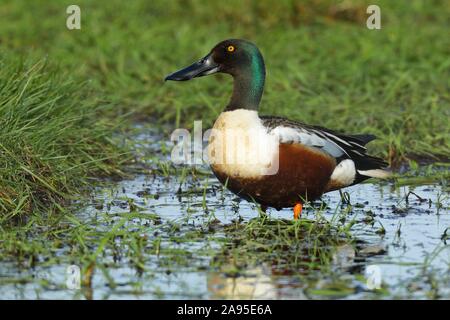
(297, 210)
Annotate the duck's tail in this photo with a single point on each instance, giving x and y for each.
(376, 173)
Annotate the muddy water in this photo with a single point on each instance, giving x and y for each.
(405, 254)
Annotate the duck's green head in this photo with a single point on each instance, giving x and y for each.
(239, 58)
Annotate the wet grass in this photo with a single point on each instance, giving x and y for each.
(126, 243)
(289, 246)
(148, 248)
(140, 241)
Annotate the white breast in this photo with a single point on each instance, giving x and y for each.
(240, 146)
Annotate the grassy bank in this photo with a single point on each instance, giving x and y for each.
(324, 66)
(51, 139)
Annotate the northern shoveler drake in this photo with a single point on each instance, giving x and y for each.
(297, 162)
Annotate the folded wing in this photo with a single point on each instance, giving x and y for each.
(353, 164)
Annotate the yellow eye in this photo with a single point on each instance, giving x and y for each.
(231, 48)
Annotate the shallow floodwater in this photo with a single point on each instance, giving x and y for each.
(404, 244)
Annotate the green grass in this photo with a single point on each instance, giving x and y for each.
(324, 66)
(51, 140)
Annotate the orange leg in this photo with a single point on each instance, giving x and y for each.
(297, 210)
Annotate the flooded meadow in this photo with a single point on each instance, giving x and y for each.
(174, 232)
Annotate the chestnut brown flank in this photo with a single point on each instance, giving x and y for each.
(303, 174)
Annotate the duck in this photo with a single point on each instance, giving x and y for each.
(274, 161)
